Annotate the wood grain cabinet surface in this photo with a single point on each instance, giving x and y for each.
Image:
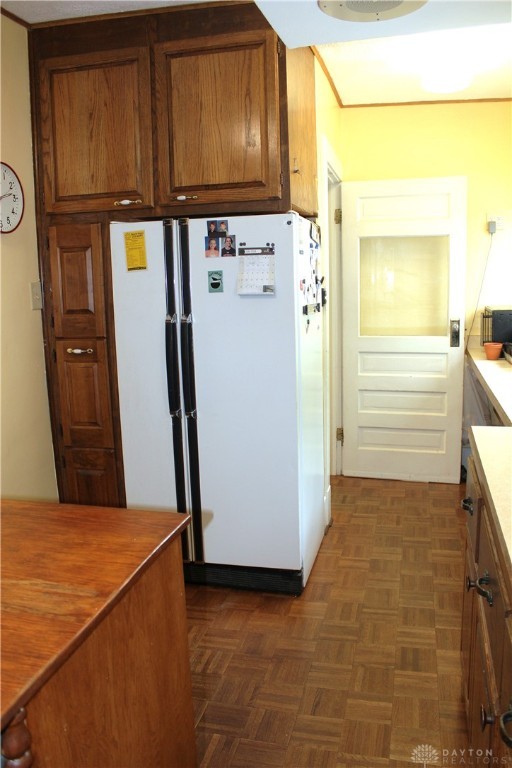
(95, 657)
(80, 370)
(95, 125)
(486, 645)
(218, 133)
(223, 123)
(192, 111)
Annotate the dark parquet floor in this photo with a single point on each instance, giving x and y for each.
(363, 669)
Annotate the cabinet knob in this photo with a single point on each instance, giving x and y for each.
(485, 718)
(505, 718)
(128, 202)
(467, 505)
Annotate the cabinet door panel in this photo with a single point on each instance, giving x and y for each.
(483, 697)
(84, 393)
(494, 608)
(91, 477)
(300, 77)
(76, 263)
(473, 504)
(468, 600)
(504, 735)
(218, 118)
(96, 130)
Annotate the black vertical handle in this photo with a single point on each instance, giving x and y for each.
(172, 365)
(189, 390)
(187, 365)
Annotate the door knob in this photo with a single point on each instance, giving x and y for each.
(454, 333)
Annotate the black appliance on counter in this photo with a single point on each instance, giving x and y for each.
(496, 324)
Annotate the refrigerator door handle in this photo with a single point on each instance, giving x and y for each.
(172, 365)
(187, 360)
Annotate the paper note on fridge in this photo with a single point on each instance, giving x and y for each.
(135, 250)
(256, 271)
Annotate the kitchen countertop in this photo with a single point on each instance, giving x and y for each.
(492, 452)
(64, 568)
(496, 379)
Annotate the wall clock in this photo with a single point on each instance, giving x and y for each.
(12, 201)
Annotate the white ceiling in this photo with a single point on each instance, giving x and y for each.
(372, 62)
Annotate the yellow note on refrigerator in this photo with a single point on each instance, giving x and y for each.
(135, 250)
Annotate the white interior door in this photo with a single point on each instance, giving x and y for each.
(403, 244)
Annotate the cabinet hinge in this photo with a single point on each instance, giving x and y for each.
(281, 179)
(61, 430)
(337, 216)
(340, 437)
(279, 48)
(54, 355)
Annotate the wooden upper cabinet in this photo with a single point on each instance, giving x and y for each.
(76, 264)
(300, 80)
(96, 131)
(218, 130)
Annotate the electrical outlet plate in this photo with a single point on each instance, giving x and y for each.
(500, 223)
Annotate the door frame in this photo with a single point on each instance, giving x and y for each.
(330, 175)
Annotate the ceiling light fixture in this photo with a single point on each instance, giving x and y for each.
(369, 10)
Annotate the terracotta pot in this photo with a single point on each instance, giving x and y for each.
(493, 349)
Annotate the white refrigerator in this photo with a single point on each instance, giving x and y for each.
(218, 335)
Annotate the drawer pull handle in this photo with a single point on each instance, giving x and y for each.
(467, 505)
(485, 718)
(486, 593)
(504, 719)
(79, 351)
(185, 197)
(128, 202)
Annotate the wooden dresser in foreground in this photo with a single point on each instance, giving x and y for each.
(95, 665)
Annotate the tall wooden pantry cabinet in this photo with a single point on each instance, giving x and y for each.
(190, 111)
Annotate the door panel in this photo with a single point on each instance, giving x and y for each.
(76, 262)
(91, 477)
(85, 400)
(96, 130)
(403, 284)
(218, 118)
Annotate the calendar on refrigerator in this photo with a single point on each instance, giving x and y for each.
(256, 271)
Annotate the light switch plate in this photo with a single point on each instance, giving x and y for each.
(36, 295)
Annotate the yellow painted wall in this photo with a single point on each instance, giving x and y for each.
(466, 139)
(27, 464)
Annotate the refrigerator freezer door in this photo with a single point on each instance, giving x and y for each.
(139, 312)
